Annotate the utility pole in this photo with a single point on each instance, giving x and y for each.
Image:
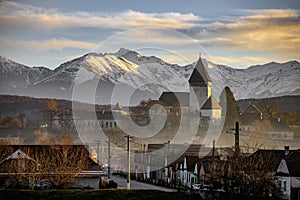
(108, 159)
(213, 150)
(98, 152)
(102, 150)
(213, 160)
(166, 163)
(128, 161)
(237, 136)
(144, 163)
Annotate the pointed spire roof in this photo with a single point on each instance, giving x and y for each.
(211, 103)
(200, 75)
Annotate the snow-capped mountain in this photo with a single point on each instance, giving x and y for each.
(260, 81)
(15, 77)
(129, 77)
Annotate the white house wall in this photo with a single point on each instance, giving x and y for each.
(213, 114)
(90, 182)
(295, 182)
(286, 190)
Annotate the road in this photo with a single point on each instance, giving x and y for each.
(122, 184)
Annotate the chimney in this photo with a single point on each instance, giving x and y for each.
(286, 150)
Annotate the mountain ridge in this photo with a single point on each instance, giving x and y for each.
(149, 75)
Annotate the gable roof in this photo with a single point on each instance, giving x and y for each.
(293, 163)
(171, 98)
(18, 154)
(191, 161)
(211, 103)
(206, 164)
(273, 157)
(36, 149)
(199, 75)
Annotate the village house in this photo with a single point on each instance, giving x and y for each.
(189, 169)
(260, 167)
(261, 127)
(288, 175)
(28, 166)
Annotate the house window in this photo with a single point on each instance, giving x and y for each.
(106, 124)
(115, 124)
(284, 185)
(279, 184)
(110, 124)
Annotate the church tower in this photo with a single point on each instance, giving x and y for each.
(200, 83)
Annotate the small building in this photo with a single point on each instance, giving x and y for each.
(24, 165)
(261, 127)
(288, 176)
(212, 109)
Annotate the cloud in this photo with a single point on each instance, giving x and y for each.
(12, 13)
(247, 36)
(156, 36)
(243, 61)
(48, 44)
(264, 32)
(271, 14)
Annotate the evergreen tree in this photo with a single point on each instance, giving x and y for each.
(230, 108)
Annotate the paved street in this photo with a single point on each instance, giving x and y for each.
(122, 184)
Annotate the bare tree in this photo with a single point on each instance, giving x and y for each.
(65, 161)
(253, 174)
(59, 162)
(43, 137)
(5, 148)
(5, 151)
(25, 170)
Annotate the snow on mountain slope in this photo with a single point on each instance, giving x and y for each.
(127, 67)
(150, 74)
(153, 74)
(17, 76)
(269, 80)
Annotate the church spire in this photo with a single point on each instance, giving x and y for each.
(200, 75)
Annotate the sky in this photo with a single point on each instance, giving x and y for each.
(234, 33)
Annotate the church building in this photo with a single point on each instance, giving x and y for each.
(199, 99)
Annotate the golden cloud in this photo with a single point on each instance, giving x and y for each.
(243, 61)
(49, 44)
(19, 14)
(274, 32)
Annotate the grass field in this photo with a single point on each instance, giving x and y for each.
(90, 194)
